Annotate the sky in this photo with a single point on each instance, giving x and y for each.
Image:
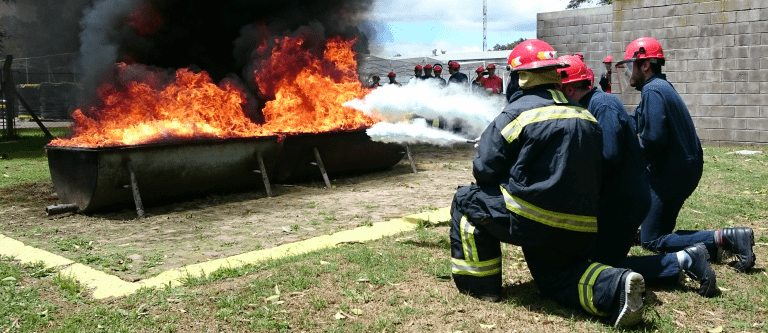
(413, 28)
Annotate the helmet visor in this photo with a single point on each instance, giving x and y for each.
(624, 69)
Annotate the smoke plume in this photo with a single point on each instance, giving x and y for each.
(219, 37)
(462, 111)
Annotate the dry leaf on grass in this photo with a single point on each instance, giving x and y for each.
(487, 326)
(718, 329)
(357, 311)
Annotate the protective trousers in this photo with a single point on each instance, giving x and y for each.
(656, 231)
(621, 213)
(559, 269)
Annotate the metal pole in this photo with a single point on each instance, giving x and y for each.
(410, 158)
(26, 68)
(8, 94)
(263, 172)
(485, 23)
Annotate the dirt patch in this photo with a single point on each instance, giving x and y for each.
(223, 225)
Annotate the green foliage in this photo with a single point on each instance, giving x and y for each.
(510, 46)
(574, 4)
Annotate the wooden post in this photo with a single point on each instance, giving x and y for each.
(263, 172)
(32, 113)
(322, 168)
(135, 189)
(10, 131)
(410, 158)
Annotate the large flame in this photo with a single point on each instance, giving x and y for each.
(306, 100)
(309, 91)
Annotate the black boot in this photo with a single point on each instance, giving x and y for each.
(701, 271)
(739, 241)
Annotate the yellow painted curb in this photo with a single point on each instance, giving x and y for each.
(104, 285)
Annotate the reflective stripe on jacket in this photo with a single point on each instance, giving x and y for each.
(546, 154)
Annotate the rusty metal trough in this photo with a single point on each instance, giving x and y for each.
(111, 177)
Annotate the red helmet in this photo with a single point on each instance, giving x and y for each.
(491, 66)
(533, 54)
(427, 66)
(417, 68)
(454, 64)
(479, 70)
(609, 58)
(644, 48)
(391, 74)
(590, 76)
(438, 68)
(581, 56)
(576, 71)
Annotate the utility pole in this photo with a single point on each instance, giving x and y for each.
(485, 24)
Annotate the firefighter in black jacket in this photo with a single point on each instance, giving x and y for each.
(538, 171)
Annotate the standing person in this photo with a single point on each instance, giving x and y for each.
(416, 74)
(493, 84)
(427, 72)
(375, 83)
(537, 173)
(391, 77)
(673, 152)
(438, 72)
(456, 76)
(626, 195)
(605, 78)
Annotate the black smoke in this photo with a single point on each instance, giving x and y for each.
(218, 37)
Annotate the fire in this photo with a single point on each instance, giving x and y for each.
(309, 91)
(307, 99)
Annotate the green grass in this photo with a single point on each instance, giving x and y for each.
(400, 283)
(26, 161)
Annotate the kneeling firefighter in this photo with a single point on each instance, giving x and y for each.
(538, 171)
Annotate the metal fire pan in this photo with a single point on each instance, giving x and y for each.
(96, 178)
(341, 153)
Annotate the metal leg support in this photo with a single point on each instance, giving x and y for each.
(322, 168)
(135, 188)
(263, 172)
(410, 158)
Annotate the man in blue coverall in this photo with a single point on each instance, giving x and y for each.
(626, 195)
(674, 159)
(538, 171)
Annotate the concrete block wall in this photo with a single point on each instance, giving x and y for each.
(717, 57)
(586, 31)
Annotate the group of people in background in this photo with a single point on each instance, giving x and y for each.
(485, 80)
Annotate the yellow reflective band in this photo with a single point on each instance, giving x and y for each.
(581, 223)
(552, 112)
(480, 268)
(586, 288)
(436, 123)
(558, 96)
(468, 239)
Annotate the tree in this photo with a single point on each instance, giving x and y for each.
(499, 47)
(573, 4)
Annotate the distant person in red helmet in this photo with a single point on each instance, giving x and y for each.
(537, 177)
(375, 83)
(605, 78)
(493, 84)
(456, 76)
(417, 73)
(438, 72)
(391, 77)
(675, 160)
(427, 72)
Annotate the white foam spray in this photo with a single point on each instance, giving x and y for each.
(454, 105)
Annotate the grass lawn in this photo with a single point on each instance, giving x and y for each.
(399, 283)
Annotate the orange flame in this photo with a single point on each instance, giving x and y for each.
(194, 107)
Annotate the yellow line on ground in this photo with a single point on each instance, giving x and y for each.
(105, 285)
